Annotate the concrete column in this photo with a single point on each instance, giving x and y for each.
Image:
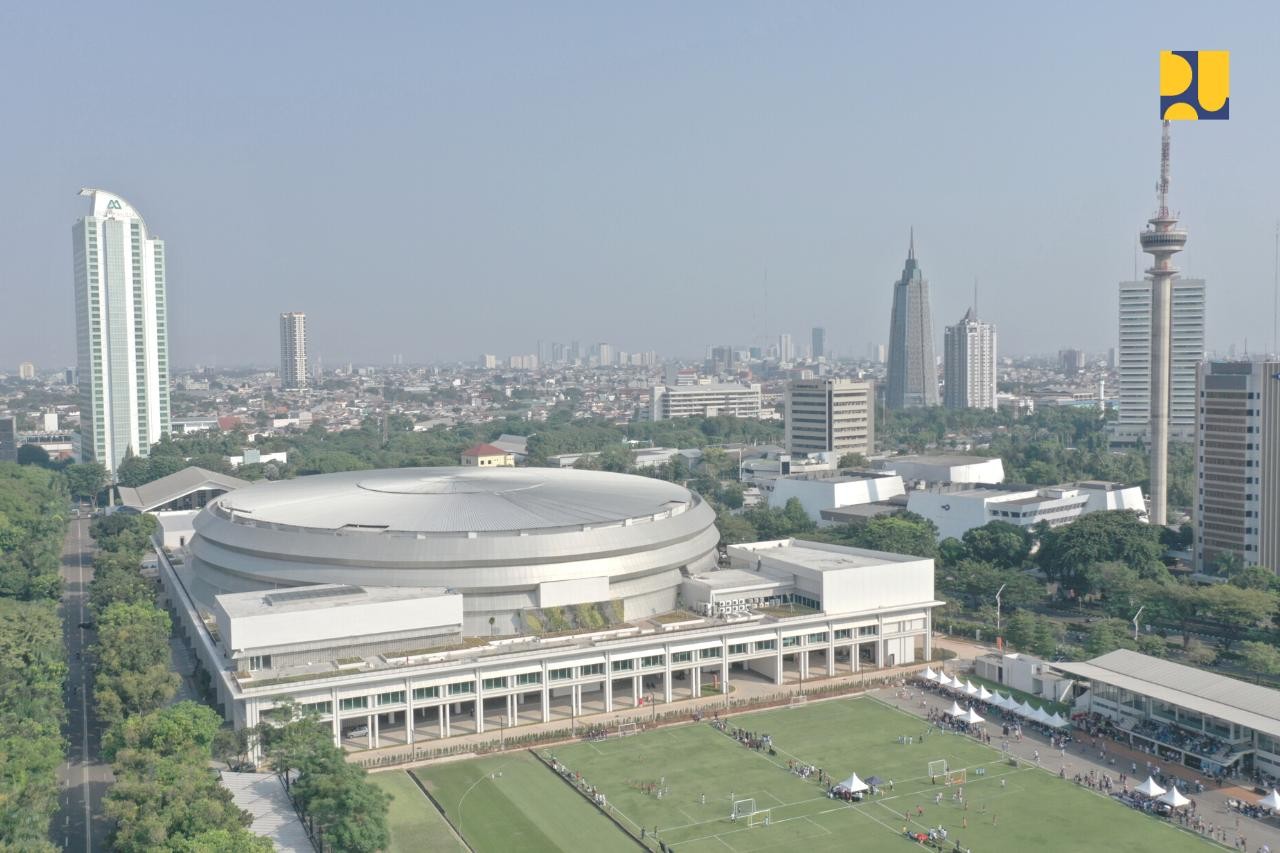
(408, 713)
(724, 677)
(479, 704)
(778, 676)
(444, 720)
(695, 682)
(666, 678)
(928, 635)
(608, 693)
(546, 703)
(636, 695)
(802, 658)
(831, 653)
(337, 720)
(371, 723)
(513, 705)
(855, 656)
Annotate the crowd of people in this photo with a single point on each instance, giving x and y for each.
(1200, 743)
(758, 741)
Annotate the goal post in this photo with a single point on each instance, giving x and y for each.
(625, 729)
(937, 768)
(742, 808)
(956, 777)
(760, 818)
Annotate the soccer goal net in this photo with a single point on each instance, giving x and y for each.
(760, 818)
(937, 768)
(742, 808)
(625, 729)
(956, 777)
(798, 700)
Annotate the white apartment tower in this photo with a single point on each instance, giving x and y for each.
(1238, 463)
(122, 337)
(969, 358)
(1186, 337)
(293, 350)
(830, 415)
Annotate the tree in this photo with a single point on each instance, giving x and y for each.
(33, 454)
(1102, 639)
(1000, 543)
(904, 533)
(851, 460)
(185, 729)
(86, 480)
(1046, 639)
(735, 529)
(1236, 611)
(1200, 654)
(132, 674)
(1260, 658)
(1153, 645)
(1068, 553)
(1255, 577)
(1020, 630)
(951, 551)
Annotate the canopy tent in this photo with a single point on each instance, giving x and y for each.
(944, 680)
(1041, 717)
(1006, 702)
(1027, 710)
(971, 717)
(1271, 801)
(1149, 788)
(853, 784)
(1057, 721)
(1173, 797)
(874, 781)
(929, 674)
(969, 689)
(983, 693)
(955, 710)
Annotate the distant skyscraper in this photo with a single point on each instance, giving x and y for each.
(293, 350)
(830, 414)
(8, 439)
(913, 373)
(26, 370)
(121, 331)
(818, 342)
(1238, 464)
(1070, 361)
(1186, 336)
(969, 364)
(786, 350)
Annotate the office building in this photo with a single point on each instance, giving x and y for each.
(1070, 361)
(818, 343)
(786, 349)
(913, 373)
(969, 364)
(704, 401)
(122, 337)
(945, 469)
(835, 415)
(414, 605)
(956, 508)
(1238, 464)
(293, 350)
(8, 439)
(1186, 336)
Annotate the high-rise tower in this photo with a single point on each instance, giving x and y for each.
(293, 350)
(1162, 240)
(122, 334)
(913, 370)
(969, 364)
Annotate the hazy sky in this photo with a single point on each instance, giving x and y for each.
(443, 180)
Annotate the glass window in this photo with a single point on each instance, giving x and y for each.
(529, 678)
(354, 703)
(651, 660)
(709, 653)
(790, 641)
(459, 688)
(426, 693)
(561, 674)
(844, 634)
(623, 665)
(820, 637)
(681, 657)
(737, 648)
(257, 662)
(317, 707)
(766, 645)
(591, 669)
(394, 697)
(495, 683)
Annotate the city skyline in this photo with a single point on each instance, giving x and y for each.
(653, 200)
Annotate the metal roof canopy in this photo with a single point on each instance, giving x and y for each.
(1204, 692)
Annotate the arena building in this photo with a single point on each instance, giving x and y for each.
(415, 604)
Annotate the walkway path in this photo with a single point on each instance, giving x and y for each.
(78, 825)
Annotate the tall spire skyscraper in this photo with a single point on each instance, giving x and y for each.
(122, 334)
(1162, 240)
(913, 370)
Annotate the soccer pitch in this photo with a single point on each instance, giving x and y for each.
(1004, 810)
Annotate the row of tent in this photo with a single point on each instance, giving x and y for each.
(1006, 703)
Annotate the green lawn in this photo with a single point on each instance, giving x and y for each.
(415, 824)
(1031, 811)
(527, 808)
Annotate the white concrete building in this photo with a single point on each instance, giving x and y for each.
(704, 400)
(959, 507)
(293, 350)
(384, 630)
(1238, 464)
(945, 469)
(969, 364)
(1134, 357)
(830, 415)
(832, 489)
(122, 337)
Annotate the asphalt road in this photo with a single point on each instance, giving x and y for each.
(78, 825)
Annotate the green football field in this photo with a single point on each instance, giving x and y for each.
(513, 802)
(415, 824)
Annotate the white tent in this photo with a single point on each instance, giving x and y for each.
(969, 689)
(944, 680)
(929, 674)
(1271, 801)
(1149, 788)
(1006, 702)
(984, 694)
(1174, 798)
(853, 784)
(1026, 710)
(1057, 721)
(971, 717)
(955, 710)
(1041, 717)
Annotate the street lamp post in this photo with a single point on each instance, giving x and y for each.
(1135, 622)
(998, 591)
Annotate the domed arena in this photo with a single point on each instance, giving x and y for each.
(507, 539)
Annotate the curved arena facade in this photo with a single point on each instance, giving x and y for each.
(507, 539)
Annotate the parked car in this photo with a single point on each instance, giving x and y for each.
(358, 731)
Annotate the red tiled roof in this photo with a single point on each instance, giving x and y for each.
(484, 450)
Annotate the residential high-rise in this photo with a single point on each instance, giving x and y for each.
(122, 337)
(1187, 339)
(830, 415)
(913, 372)
(818, 343)
(26, 370)
(969, 364)
(1238, 463)
(1070, 361)
(786, 349)
(1162, 239)
(293, 350)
